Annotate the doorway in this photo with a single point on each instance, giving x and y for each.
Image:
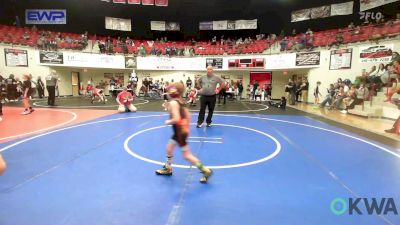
(75, 80)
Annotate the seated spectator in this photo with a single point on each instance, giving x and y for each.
(214, 40)
(294, 32)
(351, 26)
(329, 97)
(142, 50)
(310, 42)
(395, 57)
(309, 32)
(153, 51)
(338, 41)
(301, 43)
(339, 96)
(284, 42)
(26, 36)
(348, 101)
(395, 88)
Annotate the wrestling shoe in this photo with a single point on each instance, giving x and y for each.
(206, 176)
(164, 171)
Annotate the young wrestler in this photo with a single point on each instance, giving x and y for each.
(124, 100)
(26, 90)
(98, 92)
(192, 97)
(180, 121)
(3, 165)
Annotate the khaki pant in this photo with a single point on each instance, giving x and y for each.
(304, 96)
(122, 108)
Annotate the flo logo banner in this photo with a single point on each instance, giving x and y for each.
(46, 16)
(363, 206)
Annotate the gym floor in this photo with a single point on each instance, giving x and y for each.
(80, 163)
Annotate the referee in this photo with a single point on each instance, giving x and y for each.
(208, 92)
(51, 83)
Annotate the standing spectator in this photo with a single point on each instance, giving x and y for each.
(189, 83)
(304, 90)
(317, 93)
(255, 87)
(51, 83)
(11, 88)
(208, 84)
(40, 87)
(240, 89)
(288, 89)
(26, 91)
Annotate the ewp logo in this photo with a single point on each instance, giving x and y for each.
(354, 206)
(45, 16)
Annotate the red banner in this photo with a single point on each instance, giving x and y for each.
(147, 2)
(161, 2)
(119, 1)
(133, 1)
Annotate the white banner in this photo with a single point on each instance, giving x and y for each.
(342, 9)
(300, 15)
(72, 59)
(118, 24)
(245, 24)
(281, 61)
(220, 25)
(377, 54)
(157, 25)
(166, 63)
(369, 4)
(320, 12)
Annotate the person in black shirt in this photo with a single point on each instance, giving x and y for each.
(189, 83)
(11, 87)
(26, 90)
(40, 87)
(240, 88)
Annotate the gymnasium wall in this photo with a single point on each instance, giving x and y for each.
(279, 78)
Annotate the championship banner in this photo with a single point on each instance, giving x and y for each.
(130, 62)
(16, 57)
(341, 59)
(342, 9)
(157, 25)
(231, 25)
(119, 1)
(220, 25)
(46, 57)
(308, 59)
(376, 54)
(320, 12)
(134, 2)
(206, 25)
(147, 2)
(370, 4)
(118, 24)
(301, 15)
(161, 2)
(172, 26)
(245, 24)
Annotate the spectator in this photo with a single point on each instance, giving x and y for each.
(309, 32)
(339, 40)
(294, 32)
(395, 88)
(329, 97)
(214, 40)
(349, 99)
(304, 90)
(284, 42)
(289, 89)
(317, 93)
(240, 89)
(281, 104)
(351, 26)
(255, 87)
(395, 57)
